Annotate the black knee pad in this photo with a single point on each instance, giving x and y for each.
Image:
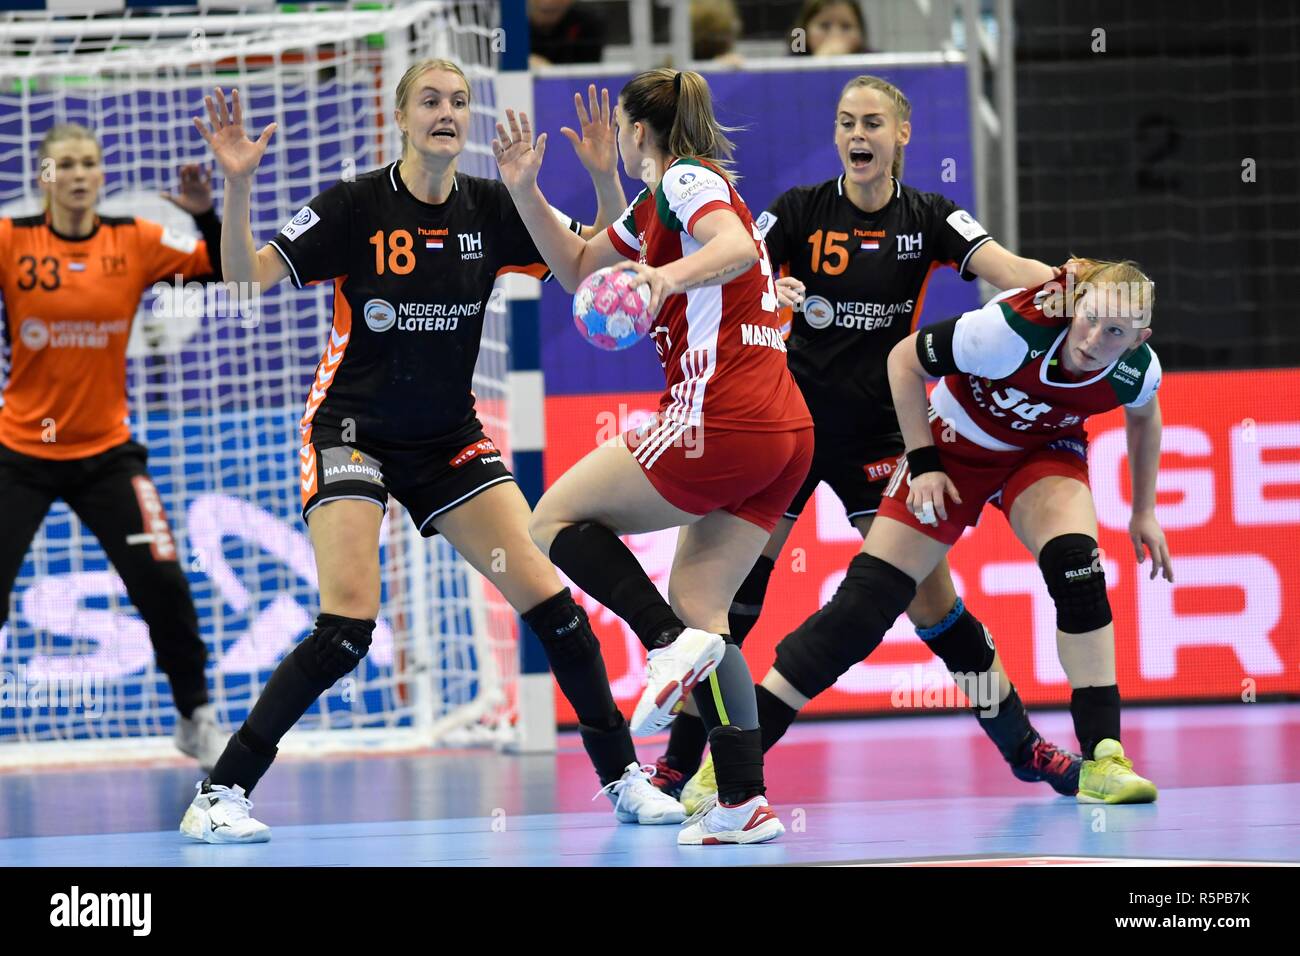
(963, 644)
(869, 600)
(561, 625)
(1071, 565)
(334, 648)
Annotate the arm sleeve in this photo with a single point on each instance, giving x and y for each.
(978, 343)
(166, 253)
(316, 241)
(956, 235)
(209, 224)
(520, 252)
(692, 191)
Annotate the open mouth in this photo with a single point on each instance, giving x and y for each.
(860, 158)
(444, 134)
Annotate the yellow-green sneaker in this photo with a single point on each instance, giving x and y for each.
(700, 788)
(1109, 778)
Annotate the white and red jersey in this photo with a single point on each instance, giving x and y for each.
(1012, 393)
(721, 348)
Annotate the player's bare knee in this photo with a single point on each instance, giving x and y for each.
(349, 598)
(1071, 566)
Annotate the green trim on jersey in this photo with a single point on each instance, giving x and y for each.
(629, 221)
(1126, 384)
(666, 215)
(1037, 337)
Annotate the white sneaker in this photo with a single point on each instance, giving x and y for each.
(220, 815)
(637, 800)
(751, 822)
(200, 737)
(671, 674)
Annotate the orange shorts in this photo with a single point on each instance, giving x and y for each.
(753, 475)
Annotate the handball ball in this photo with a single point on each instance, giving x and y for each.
(609, 313)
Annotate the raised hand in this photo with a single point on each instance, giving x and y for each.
(597, 148)
(237, 155)
(195, 194)
(517, 157)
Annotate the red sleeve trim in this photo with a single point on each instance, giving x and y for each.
(704, 210)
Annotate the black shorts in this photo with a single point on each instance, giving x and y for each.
(428, 478)
(857, 470)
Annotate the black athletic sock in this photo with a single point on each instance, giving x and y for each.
(574, 655)
(599, 563)
(1096, 716)
(774, 716)
(1009, 729)
(738, 763)
(285, 698)
(573, 652)
(747, 605)
(686, 743)
(610, 748)
(246, 758)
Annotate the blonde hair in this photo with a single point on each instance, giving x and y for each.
(61, 132)
(414, 72)
(1122, 283)
(678, 108)
(902, 108)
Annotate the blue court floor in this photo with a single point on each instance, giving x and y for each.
(910, 790)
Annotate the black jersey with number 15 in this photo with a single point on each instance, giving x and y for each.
(411, 283)
(865, 275)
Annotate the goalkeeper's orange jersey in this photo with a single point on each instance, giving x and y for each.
(68, 308)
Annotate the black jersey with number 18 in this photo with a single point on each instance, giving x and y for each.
(865, 275)
(411, 283)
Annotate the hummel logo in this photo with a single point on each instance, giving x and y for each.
(1035, 353)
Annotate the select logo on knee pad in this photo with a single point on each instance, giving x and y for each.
(348, 464)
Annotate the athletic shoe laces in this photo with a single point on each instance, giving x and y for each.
(618, 786)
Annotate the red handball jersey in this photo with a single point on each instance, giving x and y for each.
(1011, 394)
(721, 347)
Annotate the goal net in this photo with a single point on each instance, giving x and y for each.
(216, 396)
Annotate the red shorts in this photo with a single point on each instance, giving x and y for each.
(981, 477)
(752, 475)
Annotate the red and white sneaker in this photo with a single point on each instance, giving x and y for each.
(671, 674)
(750, 822)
